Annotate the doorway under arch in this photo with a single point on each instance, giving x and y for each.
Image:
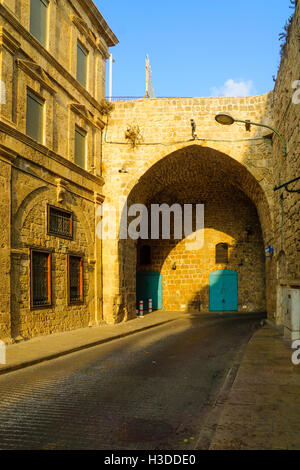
(234, 201)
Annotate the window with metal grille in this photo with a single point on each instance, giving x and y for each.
(222, 253)
(34, 116)
(81, 72)
(60, 222)
(39, 19)
(40, 279)
(75, 281)
(80, 147)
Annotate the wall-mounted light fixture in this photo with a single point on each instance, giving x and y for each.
(227, 120)
(174, 267)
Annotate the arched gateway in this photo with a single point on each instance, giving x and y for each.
(236, 200)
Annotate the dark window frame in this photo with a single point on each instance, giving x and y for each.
(40, 100)
(222, 258)
(79, 130)
(85, 53)
(49, 304)
(43, 38)
(81, 280)
(145, 256)
(53, 233)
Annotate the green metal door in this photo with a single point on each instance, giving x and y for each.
(149, 286)
(223, 291)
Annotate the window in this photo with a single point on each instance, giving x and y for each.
(145, 255)
(222, 253)
(34, 116)
(40, 279)
(81, 73)
(75, 279)
(80, 147)
(60, 222)
(39, 19)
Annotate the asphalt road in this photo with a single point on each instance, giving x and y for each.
(153, 390)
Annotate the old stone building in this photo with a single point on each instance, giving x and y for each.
(57, 150)
(52, 70)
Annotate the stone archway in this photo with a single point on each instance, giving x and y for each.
(191, 174)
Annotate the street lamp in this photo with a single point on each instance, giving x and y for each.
(227, 120)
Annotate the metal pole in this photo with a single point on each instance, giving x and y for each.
(110, 76)
(267, 127)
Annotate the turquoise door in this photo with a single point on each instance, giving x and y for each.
(149, 286)
(223, 291)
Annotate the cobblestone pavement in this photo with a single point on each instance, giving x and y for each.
(262, 411)
(152, 390)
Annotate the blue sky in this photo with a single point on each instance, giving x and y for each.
(196, 48)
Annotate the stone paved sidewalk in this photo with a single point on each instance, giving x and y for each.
(262, 410)
(42, 348)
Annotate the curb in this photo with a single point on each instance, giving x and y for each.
(50, 357)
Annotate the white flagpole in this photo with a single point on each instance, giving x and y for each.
(147, 76)
(110, 76)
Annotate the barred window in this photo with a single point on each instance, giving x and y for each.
(75, 279)
(222, 253)
(60, 222)
(40, 279)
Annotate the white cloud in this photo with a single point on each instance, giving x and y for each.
(234, 88)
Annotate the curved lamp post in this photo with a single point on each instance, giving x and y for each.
(226, 120)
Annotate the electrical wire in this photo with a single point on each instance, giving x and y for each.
(167, 144)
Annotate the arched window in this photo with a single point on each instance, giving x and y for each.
(222, 253)
(145, 255)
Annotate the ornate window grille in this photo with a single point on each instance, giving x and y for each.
(60, 222)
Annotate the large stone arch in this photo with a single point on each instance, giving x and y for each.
(151, 177)
(244, 177)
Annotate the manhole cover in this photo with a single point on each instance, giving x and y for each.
(141, 430)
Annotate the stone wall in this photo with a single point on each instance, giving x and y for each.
(30, 231)
(188, 284)
(35, 174)
(5, 218)
(287, 204)
(167, 155)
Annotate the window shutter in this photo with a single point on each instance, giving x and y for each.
(80, 147)
(38, 19)
(34, 117)
(81, 74)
